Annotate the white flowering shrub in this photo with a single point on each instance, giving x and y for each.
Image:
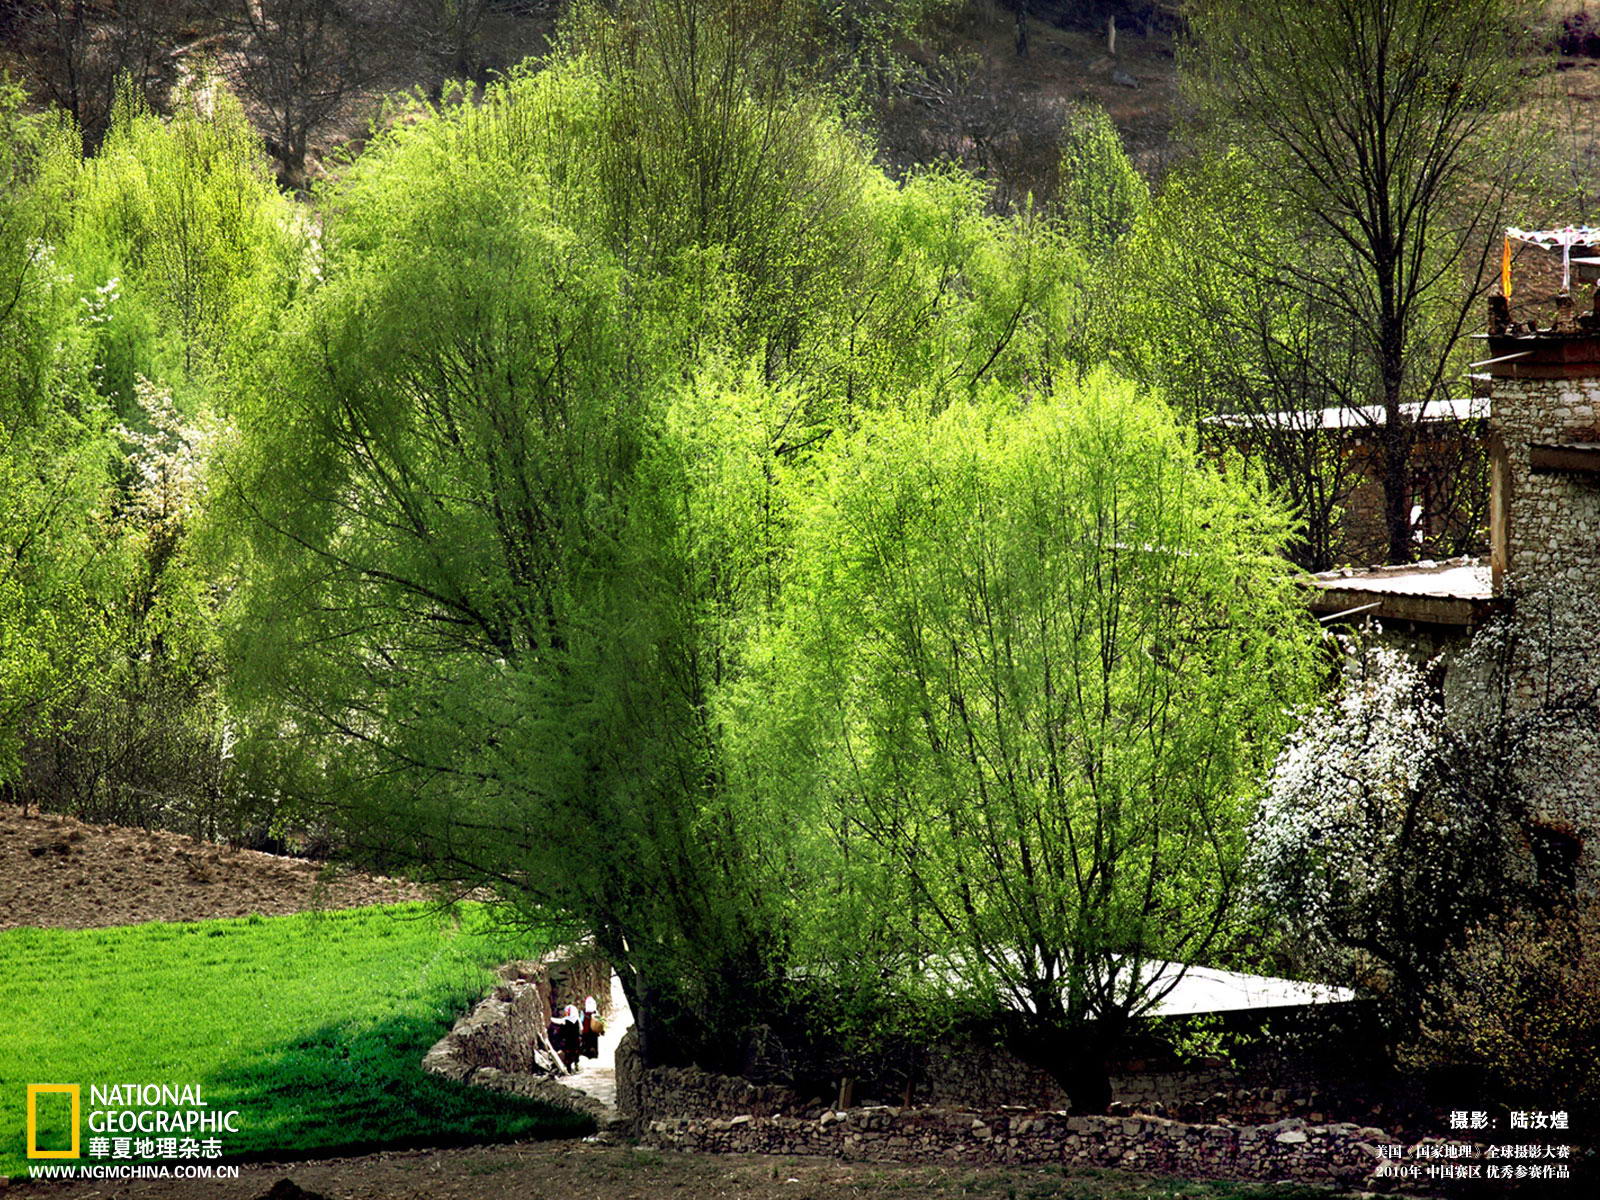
(166, 461)
(1383, 837)
(1397, 822)
(1339, 820)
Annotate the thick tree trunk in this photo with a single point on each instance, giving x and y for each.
(1397, 488)
(1076, 1058)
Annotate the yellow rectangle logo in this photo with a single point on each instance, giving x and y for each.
(34, 1089)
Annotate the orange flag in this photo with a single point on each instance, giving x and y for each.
(1505, 269)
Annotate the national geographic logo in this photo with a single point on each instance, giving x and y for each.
(35, 1090)
(128, 1121)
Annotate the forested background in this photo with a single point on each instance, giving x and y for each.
(737, 483)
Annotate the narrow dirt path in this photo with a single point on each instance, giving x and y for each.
(597, 1077)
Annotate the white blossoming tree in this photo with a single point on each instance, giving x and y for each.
(1397, 820)
(1364, 850)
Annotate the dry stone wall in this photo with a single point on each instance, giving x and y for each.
(1346, 1155)
(502, 1030)
(975, 1076)
(1553, 529)
(494, 1045)
(688, 1109)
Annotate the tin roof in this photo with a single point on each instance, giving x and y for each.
(1366, 416)
(1458, 591)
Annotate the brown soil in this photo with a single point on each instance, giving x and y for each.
(591, 1171)
(59, 872)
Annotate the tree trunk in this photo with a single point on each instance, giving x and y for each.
(1077, 1058)
(1087, 1083)
(1395, 441)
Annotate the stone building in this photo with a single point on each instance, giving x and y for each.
(1544, 535)
(1341, 448)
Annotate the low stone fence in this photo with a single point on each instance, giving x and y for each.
(1343, 1155)
(985, 1077)
(689, 1109)
(495, 1045)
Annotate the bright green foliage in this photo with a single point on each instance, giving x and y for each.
(956, 299)
(313, 1027)
(180, 242)
(53, 480)
(1185, 281)
(1047, 656)
(1102, 193)
(1201, 313)
(145, 742)
(499, 638)
(515, 484)
(158, 267)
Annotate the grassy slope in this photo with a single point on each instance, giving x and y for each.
(312, 1026)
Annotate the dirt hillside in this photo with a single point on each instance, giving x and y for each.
(56, 871)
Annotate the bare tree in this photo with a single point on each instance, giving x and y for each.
(448, 36)
(1019, 12)
(300, 63)
(78, 50)
(1379, 130)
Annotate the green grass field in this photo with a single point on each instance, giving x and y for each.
(311, 1026)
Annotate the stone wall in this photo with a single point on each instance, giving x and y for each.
(985, 1077)
(496, 1044)
(1448, 482)
(693, 1110)
(1551, 539)
(690, 1109)
(1553, 519)
(501, 1031)
(1298, 1068)
(1345, 1155)
(1291, 1072)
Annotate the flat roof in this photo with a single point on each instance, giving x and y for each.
(1206, 990)
(1367, 416)
(1457, 591)
(1196, 989)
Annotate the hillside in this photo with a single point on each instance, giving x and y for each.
(62, 873)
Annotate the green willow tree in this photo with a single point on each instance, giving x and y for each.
(182, 246)
(513, 491)
(1045, 656)
(172, 255)
(1250, 364)
(1102, 193)
(54, 482)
